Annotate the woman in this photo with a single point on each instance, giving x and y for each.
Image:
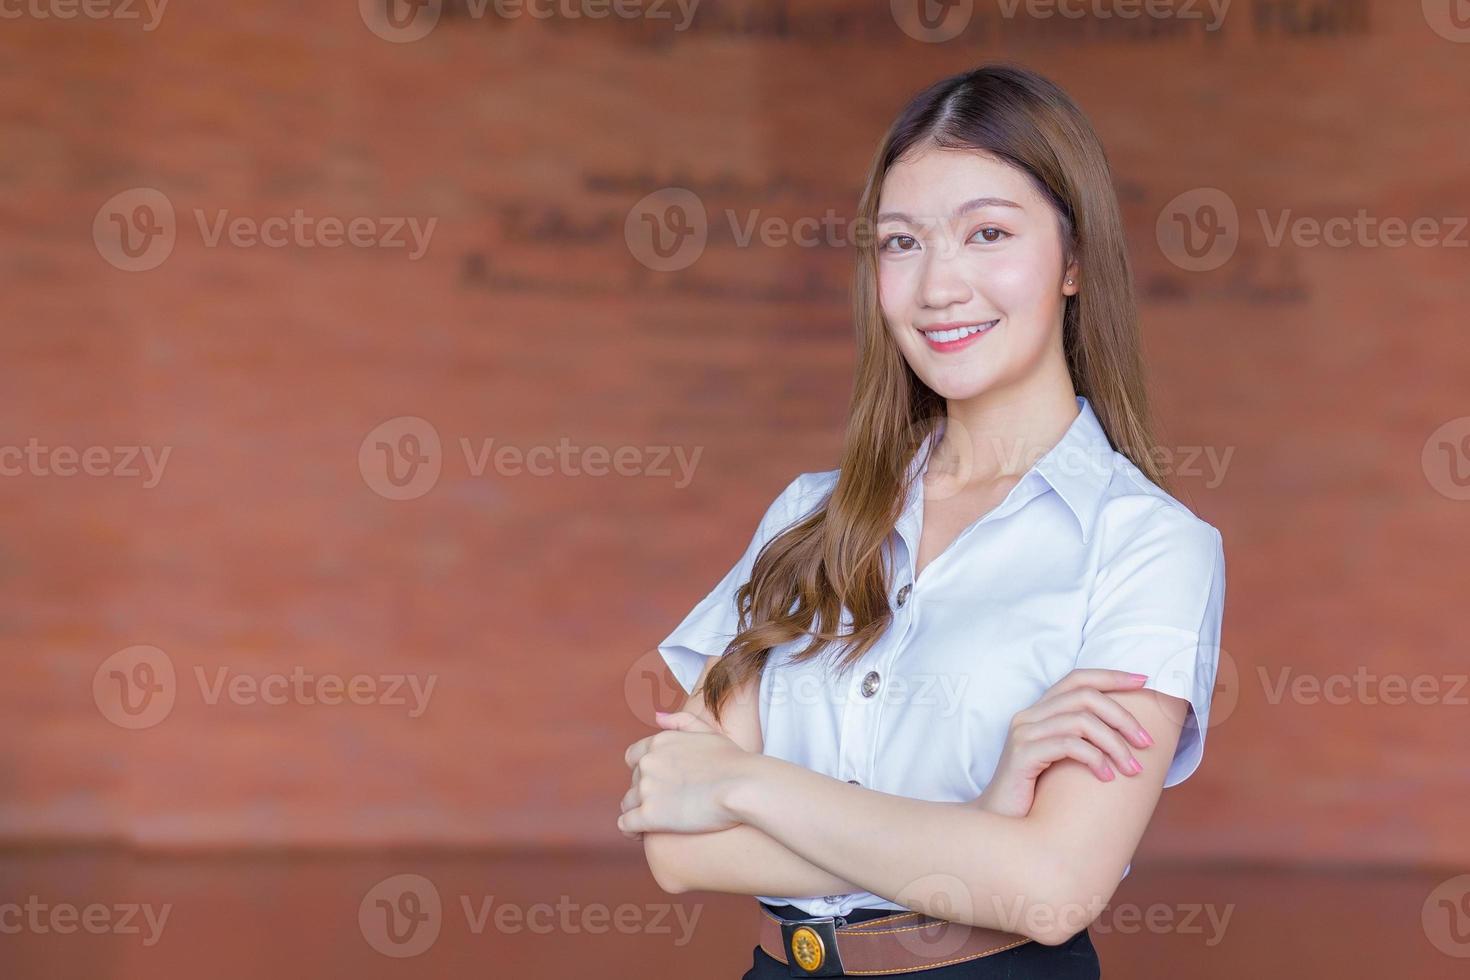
(992, 587)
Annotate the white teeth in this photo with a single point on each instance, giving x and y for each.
(946, 336)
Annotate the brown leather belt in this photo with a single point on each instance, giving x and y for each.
(826, 946)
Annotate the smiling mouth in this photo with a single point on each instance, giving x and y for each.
(955, 337)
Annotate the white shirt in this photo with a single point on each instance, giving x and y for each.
(1085, 563)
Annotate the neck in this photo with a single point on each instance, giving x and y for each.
(1002, 433)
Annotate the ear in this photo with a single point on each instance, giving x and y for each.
(1073, 273)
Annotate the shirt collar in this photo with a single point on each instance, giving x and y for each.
(1078, 468)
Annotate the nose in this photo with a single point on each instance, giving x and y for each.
(942, 282)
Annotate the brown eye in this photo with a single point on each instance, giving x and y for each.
(998, 232)
(909, 246)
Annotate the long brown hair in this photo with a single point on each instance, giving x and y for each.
(832, 560)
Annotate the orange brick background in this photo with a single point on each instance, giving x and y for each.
(1319, 373)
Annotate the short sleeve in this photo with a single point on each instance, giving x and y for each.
(712, 623)
(1156, 609)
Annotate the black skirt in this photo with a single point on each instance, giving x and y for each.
(1074, 959)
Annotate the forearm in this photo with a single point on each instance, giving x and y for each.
(742, 860)
(953, 861)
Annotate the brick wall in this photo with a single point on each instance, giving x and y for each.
(278, 378)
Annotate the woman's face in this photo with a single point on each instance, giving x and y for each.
(966, 241)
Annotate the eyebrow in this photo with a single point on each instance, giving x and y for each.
(971, 205)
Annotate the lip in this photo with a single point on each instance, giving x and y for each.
(946, 347)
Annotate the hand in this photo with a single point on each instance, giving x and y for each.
(683, 721)
(1074, 719)
(680, 778)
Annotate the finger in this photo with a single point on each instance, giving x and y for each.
(1106, 738)
(633, 822)
(630, 800)
(637, 751)
(1094, 702)
(1100, 678)
(1114, 714)
(1076, 747)
(1039, 745)
(1100, 736)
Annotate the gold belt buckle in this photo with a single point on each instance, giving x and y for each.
(811, 946)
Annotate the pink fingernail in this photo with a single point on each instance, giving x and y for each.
(1137, 766)
(1143, 737)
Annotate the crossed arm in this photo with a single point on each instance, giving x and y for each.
(1045, 875)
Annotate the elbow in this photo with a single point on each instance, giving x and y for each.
(1067, 904)
(660, 865)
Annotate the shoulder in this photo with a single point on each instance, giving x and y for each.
(804, 494)
(1138, 520)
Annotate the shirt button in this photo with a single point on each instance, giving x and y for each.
(903, 595)
(870, 684)
(854, 782)
(832, 899)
